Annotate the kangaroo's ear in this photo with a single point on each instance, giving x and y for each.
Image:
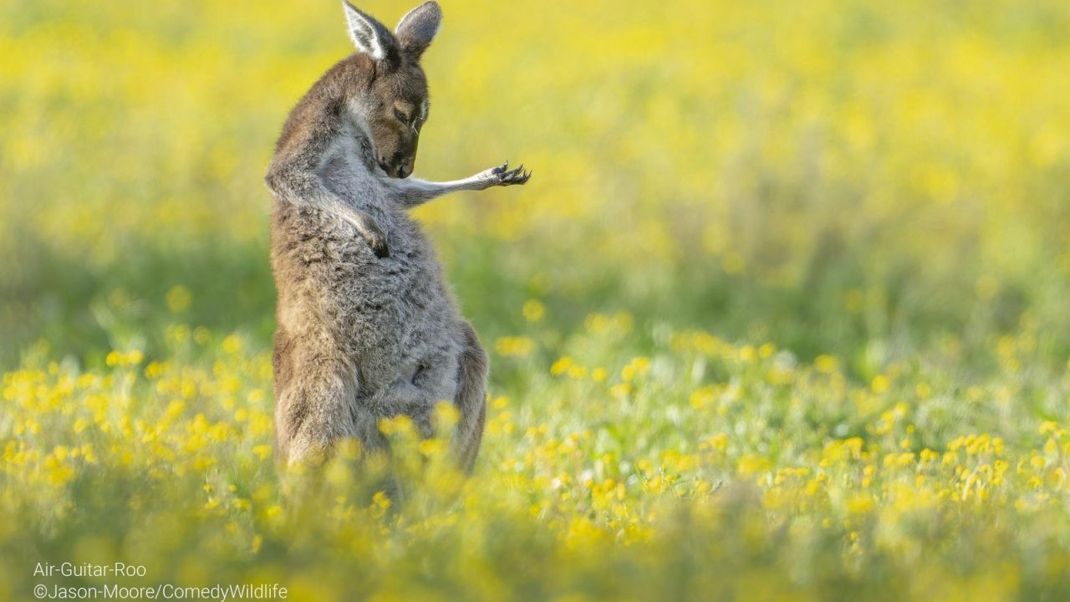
(370, 36)
(417, 28)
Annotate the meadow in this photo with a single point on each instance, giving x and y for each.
(781, 314)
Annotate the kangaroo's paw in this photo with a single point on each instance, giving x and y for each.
(376, 239)
(503, 176)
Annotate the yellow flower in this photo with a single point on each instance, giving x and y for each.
(561, 366)
(750, 465)
(533, 310)
(232, 344)
(703, 397)
(880, 384)
(519, 346)
(635, 368)
(178, 299)
(262, 452)
(860, 504)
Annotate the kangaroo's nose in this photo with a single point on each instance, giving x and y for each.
(404, 170)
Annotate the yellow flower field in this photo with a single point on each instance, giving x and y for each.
(781, 315)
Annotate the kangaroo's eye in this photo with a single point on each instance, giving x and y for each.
(403, 118)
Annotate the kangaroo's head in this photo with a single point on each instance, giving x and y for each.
(394, 105)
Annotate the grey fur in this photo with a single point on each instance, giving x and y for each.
(367, 327)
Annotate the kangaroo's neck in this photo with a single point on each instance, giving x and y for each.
(347, 85)
(342, 95)
(355, 125)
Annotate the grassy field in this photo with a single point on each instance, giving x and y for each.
(781, 315)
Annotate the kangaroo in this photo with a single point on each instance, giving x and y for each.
(367, 327)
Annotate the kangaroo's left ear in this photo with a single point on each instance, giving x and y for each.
(370, 36)
(417, 28)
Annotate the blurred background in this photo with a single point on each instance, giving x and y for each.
(859, 178)
(781, 315)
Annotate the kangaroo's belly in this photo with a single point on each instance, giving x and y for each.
(389, 316)
(401, 318)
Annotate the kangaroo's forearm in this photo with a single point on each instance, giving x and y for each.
(300, 186)
(414, 192)
(307, 189)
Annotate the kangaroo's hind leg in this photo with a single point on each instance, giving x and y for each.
(471, 398)
(314, 401)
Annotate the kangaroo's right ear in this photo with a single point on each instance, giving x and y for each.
(370, 36)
